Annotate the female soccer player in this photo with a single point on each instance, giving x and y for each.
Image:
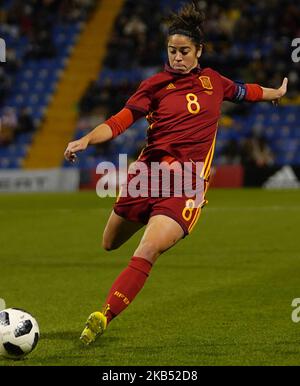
(182, 105)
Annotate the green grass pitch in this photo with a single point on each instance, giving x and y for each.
(220, 297)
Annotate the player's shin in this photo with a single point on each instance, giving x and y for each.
(125, 288)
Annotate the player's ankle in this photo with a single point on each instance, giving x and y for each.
(108, 314)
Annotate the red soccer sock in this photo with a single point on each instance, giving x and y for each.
(126, 287)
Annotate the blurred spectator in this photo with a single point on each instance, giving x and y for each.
(257, 153)
(74, 10)
(92, 98)
(108, 98)
(40, 46)
(9, 123)
(133, 36)
(135, 28)
(12, 62)
(25, 121)
(4, 84)
(231, 154)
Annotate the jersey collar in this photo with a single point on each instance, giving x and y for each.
(196, 70)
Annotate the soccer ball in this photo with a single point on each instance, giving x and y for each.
(19, 333)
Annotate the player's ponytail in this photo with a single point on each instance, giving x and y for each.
(188, 21)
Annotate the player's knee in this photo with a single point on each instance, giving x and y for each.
(107, 248)
(108, 245)
(149, 249)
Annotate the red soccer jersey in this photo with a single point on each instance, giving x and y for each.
(183, 112)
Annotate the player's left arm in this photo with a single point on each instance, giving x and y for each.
(252, 92)
(275, 94)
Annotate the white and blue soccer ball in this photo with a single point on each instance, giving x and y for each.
(19, 333)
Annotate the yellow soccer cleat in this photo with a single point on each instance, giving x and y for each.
(94, 327)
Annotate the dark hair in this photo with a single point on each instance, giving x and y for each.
(188, 21)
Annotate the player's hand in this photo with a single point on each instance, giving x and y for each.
(281, 91)
(75, 147)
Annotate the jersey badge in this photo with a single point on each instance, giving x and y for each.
(206, 82)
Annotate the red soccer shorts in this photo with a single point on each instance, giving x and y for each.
(185, 211)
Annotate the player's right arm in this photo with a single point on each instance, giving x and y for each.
(100, 134)
(106, 131)
(136, 107)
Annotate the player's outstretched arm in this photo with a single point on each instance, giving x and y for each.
(108, 130)
(274, 95)
(100, 134)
